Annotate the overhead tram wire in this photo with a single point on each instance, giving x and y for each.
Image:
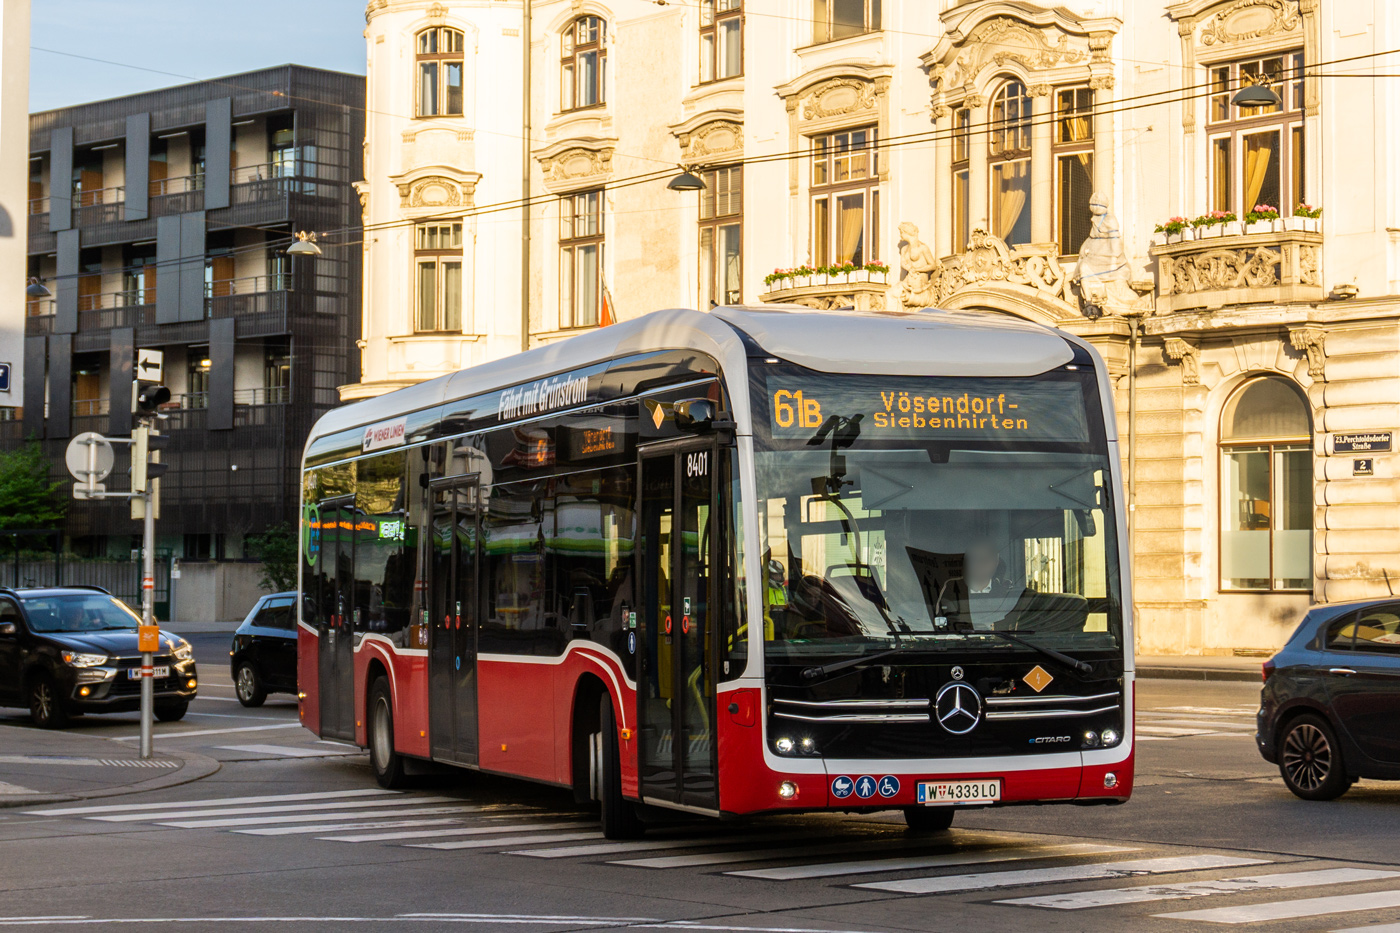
(911, 140)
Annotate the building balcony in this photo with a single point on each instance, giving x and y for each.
(860, 290)
(98, 206)
(1238, 266)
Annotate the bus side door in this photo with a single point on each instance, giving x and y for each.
(336, 641)
(676, 702)
(452, 652)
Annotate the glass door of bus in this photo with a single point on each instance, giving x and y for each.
(676, 702)
(452, 649)
(334, 628)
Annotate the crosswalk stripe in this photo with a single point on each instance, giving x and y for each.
(1113, 897)
(220, 801)
(461, 831)
(286, 751)
(1167, 731)
(832, 869)
(1206, 710)
(1203, 724)
(763, 855)
(642, 845)
(192, 733)
(312, 817)
(276, 808)
(1015, 879)
(1291, 910)
(493, 843)
(335, 827)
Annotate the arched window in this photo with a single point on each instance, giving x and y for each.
(1266, 488)
(583, 67)
(1010, 163)
(439, 61)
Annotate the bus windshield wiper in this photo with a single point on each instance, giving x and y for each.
(1074, 664)
(821, 670)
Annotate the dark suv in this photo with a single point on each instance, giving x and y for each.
(1330, 710)
(72, 649)
(263, 657)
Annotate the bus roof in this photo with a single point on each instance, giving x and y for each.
(920, 343)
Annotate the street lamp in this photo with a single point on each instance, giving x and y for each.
(37, 289)
(304, 246)
(1256, 96)
(686, 181)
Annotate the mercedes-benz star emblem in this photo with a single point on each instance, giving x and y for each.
(957, 672)
(958, 708)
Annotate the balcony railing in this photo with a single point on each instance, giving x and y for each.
(263, 171)
(92, 406)
(38, 205)
(1270, 265)
(177, 185)
(94, 196)
(860, 290)
(247, 285)
(265, 395)
(35, 307)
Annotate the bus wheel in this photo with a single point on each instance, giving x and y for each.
(928, 819)
(620, 820)
(387, 763)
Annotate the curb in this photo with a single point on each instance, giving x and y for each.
(1198, 673)
(193, 767)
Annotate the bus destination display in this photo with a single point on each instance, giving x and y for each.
(929, 408)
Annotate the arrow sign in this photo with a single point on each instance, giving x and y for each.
(149, 365)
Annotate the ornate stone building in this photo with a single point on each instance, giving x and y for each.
(1006, 156)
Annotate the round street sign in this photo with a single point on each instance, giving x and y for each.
(77, 457)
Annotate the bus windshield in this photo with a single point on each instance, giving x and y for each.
(932, 513)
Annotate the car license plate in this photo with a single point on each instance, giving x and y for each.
(135, 672)
(946, 793)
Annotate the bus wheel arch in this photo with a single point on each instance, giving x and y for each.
(583, 737)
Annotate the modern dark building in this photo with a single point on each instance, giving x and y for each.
(161, 221)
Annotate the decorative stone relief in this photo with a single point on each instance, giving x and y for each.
(1188, 355)
(1245, 20)
(433, 191)
(1102, 82)
(1307, 266)
(840, 96)
(437, 12)
(573, 165)
(1098, 47)
(1003, 40)
(929, 282)
(1218, 270)
(1039, 90)
(721, 137)
(834, 302)
(1311, 340)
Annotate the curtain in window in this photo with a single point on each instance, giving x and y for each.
(851, 223)
(730, 287)
(729, 48)
(428, 88)
(1260, 163)
(427, 296)
(451, 296)
(1011, 183)
(586, 281)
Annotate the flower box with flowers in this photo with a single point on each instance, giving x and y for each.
(1305, 217)
(1216, 223)
(1175, 229)
(1263, 218)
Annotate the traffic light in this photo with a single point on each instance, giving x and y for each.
(144, 443)
(149, 397)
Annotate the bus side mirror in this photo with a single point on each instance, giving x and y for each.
(7, 628)
(701, 415)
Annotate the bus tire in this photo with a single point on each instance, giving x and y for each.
(928, 819)
(619, 815)
(387, 763)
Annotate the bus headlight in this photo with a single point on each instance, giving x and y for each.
(1109, 737)
(784, 745)
(1091, 739)
(808, 746)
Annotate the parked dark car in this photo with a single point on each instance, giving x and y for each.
(1330, 709)
(263, 658)
(70, 650)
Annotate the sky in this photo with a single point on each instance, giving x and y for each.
(169, 42)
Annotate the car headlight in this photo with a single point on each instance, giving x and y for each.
(184, 652)
(83, 660)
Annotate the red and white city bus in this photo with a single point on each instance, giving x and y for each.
(756, 559)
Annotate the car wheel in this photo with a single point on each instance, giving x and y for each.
(619, 815)
(1310, 760)
(45, 705)
(387, 763)
(928, 819)
(249, 686)
(172, 712)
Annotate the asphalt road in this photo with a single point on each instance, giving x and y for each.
(293, 831)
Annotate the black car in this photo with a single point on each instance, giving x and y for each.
(263, 658)
(1330, 710)
(72, 649)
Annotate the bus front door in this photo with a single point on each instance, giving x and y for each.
(452, 652)
(676, 705)
(336, 641)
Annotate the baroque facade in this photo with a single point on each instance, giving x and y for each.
(1004, 156)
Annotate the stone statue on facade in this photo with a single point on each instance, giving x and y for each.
(1103, 274)
(919, 288)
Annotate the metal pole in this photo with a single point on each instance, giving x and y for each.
(525, 157)
(148, 609)
(1132, 439)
